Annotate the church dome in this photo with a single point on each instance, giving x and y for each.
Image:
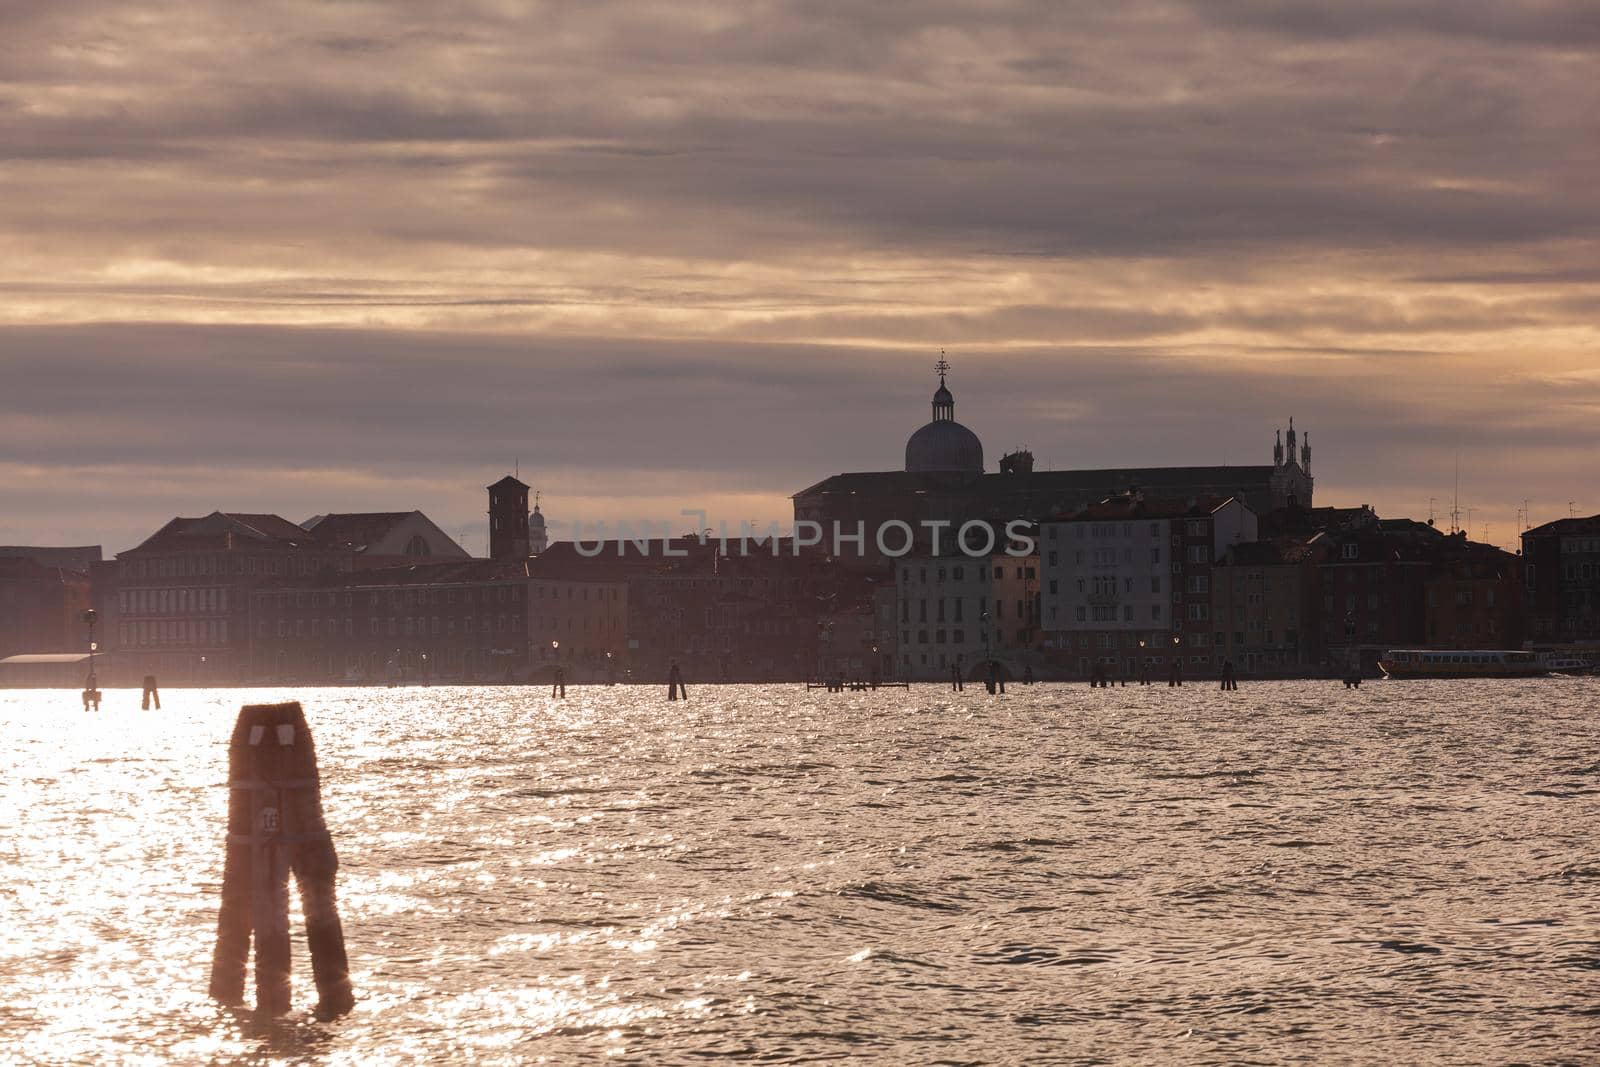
(944, 445)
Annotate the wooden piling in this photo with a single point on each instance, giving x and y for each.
(275, 827)
(150, 693)
(676, 690)
(558, 683)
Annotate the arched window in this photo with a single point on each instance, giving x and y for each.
(418, 546)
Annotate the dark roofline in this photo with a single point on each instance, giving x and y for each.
(1124, 477)
(1572, 524)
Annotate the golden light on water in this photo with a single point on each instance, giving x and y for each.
(527, 879)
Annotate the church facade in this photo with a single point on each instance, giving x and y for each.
(944, 481)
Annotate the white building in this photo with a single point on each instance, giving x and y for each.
(1127, 582)
(959, 611)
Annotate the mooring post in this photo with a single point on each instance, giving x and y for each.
(558, 684)
(676, 690)
(275, 826)
(150, 693)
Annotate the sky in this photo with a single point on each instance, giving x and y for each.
(342, 255)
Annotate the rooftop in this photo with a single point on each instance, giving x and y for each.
(999, 485)
(219, 528)
(1566, 527)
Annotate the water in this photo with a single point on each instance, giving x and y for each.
(1405, 873)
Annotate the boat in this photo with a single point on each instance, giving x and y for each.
(1460, 663)
(1569, 665)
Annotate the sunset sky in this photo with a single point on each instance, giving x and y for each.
(342, 256)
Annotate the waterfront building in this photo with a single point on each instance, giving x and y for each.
(1127, 581)
(1562, 560)
(182, 599)
(578, 617)
(460, 620)
(944, 481)
(42, 604)
(1374, 586)
(1473, 597)
(1014, 603)
(1266, 608)
(944, 614)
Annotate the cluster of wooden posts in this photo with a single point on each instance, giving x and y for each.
(275, 828)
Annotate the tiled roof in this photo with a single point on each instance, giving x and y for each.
(354, 530)
(213, 530)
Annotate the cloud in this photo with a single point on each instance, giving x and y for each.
(653, 243)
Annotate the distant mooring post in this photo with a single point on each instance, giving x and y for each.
(676, 690)
(91, 684)
(955, 678)
(1176, 677)
(150, 693)
(275, 826)
(995, 681)
(558, 683)
(1228, 682)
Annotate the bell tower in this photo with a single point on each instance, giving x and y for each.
(508, 519)
(538, 535)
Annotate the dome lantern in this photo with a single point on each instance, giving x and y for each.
(944, 445)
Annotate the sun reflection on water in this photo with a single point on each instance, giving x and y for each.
(529, 880)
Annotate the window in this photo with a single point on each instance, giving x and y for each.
(1349, 551)
(1155, 583)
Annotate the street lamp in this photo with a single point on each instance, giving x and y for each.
(90, 617)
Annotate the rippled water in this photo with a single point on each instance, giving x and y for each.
(1405, 873)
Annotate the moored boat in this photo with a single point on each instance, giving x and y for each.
(1460, 663)
(1569, 665)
